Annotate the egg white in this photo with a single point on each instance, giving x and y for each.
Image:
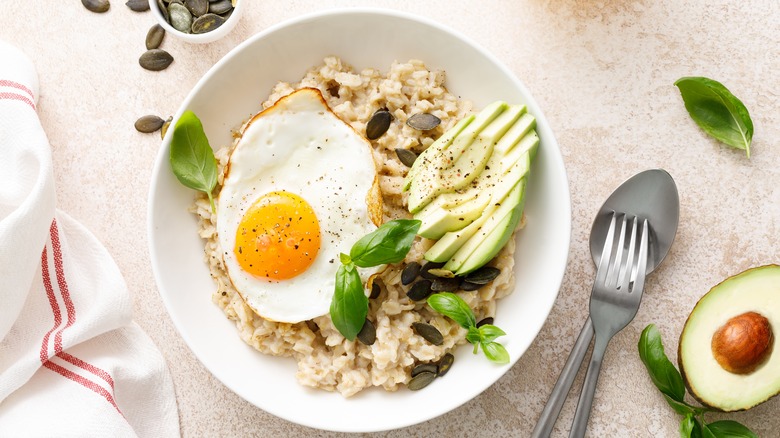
(299, 146)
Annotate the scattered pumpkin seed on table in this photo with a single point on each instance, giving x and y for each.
(155, 60)
(154, 37)
(148, 124)
(138, 5)
(165, 127)
(97, 6)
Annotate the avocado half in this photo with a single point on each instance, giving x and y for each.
(726, 352)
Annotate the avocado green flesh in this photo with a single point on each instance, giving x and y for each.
(756, 290)
(424, 159)
(457, 165)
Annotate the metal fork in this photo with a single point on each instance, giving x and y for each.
(614, 301)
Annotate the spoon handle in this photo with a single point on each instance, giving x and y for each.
(554, 404)
(581, 415)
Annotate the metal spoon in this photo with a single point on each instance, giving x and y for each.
(651, 194)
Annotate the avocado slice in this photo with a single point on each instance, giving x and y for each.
(450, 242)
(457, 165)
(424, 159)
(726, 352)
(479, 243)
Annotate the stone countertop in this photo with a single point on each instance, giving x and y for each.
(603, 71)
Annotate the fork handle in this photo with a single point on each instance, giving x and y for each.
(558, 395)
(581, 415)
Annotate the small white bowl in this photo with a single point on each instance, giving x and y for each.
(199, 38)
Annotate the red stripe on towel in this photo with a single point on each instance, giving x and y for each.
(13, 84)
(19, 97)
(63, 285)
(83, 382)
(55, 308)
(89, 367)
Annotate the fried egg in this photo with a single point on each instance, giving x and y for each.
(300, 188)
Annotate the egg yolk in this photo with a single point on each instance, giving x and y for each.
(278, 237)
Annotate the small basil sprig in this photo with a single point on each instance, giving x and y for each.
(192, 158)
(718, 112)
(669, 381)
(387, 244)
(453, 307)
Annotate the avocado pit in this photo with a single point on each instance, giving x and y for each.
(743, 343)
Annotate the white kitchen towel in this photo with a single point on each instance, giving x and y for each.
(72, 361)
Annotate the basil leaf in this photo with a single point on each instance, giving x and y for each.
(387, 244)
(706, 432)
(192, 158)
(495, 352)
(686, 426)
(349, 306)
(683, 408)
(474, 337)
(718, 112)
(453, 307)
(489, 332)
(730, 429)
(663, 374)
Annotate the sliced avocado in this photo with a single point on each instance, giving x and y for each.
(448, 245)
(524, 124)
(440, 144)
(495, 241)
(443, 220)
(513, 201)
(726, 352)
(456, 166)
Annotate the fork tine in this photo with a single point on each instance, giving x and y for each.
(606, 253)
(629, 266)
(641, 268)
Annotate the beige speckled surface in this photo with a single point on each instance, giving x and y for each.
(603, 72)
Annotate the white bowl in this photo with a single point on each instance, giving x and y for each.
(200, 38)
(233, 90)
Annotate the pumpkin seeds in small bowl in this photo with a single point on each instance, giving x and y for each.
(149, 124)
(197, 21)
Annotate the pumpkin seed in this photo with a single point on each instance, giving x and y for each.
(483, 275)
(375, 290)
(425, 367)
(155, 60)
(207, 23)
(406, 156)
(147, 124)
(97, 6)
(180, 17)
(445, 363)
(163, 10)
(441, 273)
(197, 7)
(469, 286)
(220, 7)
(378, 125)
(423, 121)
(138, 5)
(367, 334)
(421, 380)
(445, 285)
(154, 37)
(428, 332)
(427, 267)
(165, 127)
(410, 272)
(333, 88)
(420, 290)
(485, 321)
